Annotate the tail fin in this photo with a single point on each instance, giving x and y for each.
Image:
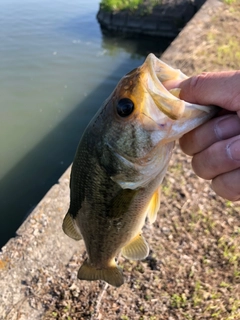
(112, 274)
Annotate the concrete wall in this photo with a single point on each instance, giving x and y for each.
(165, 20)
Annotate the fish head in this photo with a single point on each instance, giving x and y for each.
(141, 114)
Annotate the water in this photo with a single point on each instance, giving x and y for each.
(56, 68)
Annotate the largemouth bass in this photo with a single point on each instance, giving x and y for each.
(119, 166)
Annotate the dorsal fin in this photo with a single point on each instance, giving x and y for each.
(70, 229)
(136, 249)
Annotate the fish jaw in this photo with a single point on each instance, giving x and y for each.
(166, 112)
(157, 72)
(194, 115)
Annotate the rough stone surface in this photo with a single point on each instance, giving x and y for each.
(165, 20)
(40, 244)
(180, 46)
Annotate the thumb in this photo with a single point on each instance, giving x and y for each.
(211, 88)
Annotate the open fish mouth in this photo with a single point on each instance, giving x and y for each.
(167, 101)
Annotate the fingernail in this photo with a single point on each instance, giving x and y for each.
(222, 127)
(233, 150)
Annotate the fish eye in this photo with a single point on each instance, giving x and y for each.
(125, 107)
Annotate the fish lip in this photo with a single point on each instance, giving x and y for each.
(168, 104)
(162, 72)
(156, 73)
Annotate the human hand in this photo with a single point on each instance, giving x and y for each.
(215, 145)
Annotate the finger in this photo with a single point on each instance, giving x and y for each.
(221, 157)
(217, 129)
(170, 84)
(217, 88)
(227, 185)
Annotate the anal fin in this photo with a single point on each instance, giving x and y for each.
(154, 206)
(137, 249)
(111, 274)
(70, 229)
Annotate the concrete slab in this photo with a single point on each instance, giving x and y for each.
(39, 244)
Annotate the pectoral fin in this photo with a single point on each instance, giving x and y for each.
(111, 274)
(154, 206)
(70, 229)
(137, 249)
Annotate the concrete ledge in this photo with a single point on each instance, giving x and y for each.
(40, 249)
(180, 49)
(39, 244)
(165, 20)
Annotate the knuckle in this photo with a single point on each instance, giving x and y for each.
(191, 142)
(234, 104)
(208, 163)
(224, 189)
(185, 144)
(201, 166)
(233, 98)
(198, 81)
(227, 185)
